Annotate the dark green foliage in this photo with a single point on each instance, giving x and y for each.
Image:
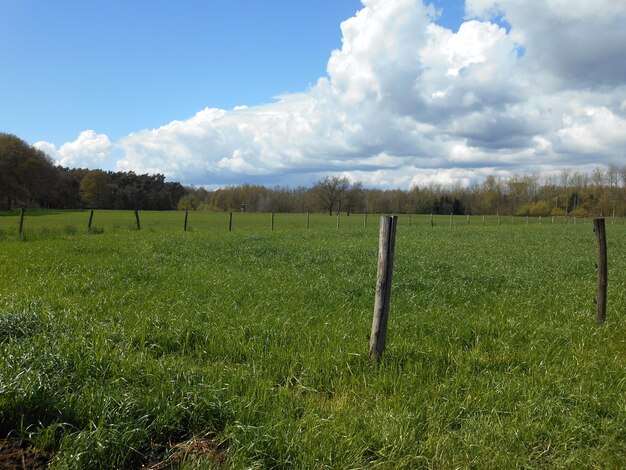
(28, 178)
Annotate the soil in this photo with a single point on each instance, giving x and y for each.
(14, 456)
(192, 450)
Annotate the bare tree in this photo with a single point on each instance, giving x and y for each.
(330, 192)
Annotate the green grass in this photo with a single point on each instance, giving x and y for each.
(116, 343)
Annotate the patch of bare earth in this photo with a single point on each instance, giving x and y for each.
(190, 451)
(14, 456)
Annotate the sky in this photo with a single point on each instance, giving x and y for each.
(392, 93)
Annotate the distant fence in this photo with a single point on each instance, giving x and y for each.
(97, 221)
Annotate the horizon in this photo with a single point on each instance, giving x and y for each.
(391, 93)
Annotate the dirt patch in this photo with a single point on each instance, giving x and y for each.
(14, 456)
(193, 450)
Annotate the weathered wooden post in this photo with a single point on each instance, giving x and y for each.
(230, 221)
(386, 248)
(600, 231)
(272, 221)
(483, 220)
(338, 215)
(186, 216)
(137, 219)
(22, 212)
(552, 220)
(365, 220)
(468, 219)
(90, 221)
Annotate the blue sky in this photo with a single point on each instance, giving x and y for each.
(119, 66)
(410, 96)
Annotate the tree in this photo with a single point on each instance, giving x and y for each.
(330, 192)
(355, 198)
(94, 189)
(27, 175)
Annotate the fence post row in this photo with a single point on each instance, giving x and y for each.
(386, 247)
(600, 231)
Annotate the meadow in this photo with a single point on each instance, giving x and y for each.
(249, 349)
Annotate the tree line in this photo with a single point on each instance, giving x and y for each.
(573, 193)
(29, 178)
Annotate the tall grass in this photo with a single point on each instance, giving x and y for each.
(117, 344)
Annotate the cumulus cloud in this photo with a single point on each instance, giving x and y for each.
(568, 43)
(519, 87)
(89, 150)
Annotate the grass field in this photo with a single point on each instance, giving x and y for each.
(248, 349)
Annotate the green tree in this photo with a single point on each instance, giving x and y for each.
(27, 175)
(94, 189)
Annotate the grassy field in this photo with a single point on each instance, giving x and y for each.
(248, 349)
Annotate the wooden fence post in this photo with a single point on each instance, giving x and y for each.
(22, 212)
(307, 219)
(386, 248)
(468, 219)
(272, 221)
(137, 219)
(90, 221)
(230, 221)
(600, 231)
(185, 226)
(365, 220)
(483, 220)
(338, 215)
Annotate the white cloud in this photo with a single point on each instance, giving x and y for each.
(406, 101)
(568, 43)
(89, 150)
